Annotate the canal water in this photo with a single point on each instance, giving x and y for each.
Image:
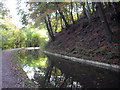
(49, 71)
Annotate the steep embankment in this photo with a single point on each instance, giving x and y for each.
(88, 40)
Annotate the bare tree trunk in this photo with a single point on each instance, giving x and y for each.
(105, 4)
(86, 13)
(66, 15)
(63, 17)
(88, 8)
(89, 11)
(56, 25)
(61, 23)
(93, 6)
(48, 74)
(77, 10)
(48, 26)
(108, 31)
(61, 14)
(71, 13)
(114, 7)
(109, 4)
(84, 9)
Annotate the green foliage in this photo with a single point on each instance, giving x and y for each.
(13, 37)
(24, 17)
(39, 11)
(3, 10)
(32, 58)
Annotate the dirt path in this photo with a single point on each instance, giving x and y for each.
(10, 74)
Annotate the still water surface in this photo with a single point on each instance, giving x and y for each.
(50, 72)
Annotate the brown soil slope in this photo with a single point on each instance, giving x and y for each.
(88, 40)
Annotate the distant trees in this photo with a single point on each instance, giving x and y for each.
(12, 37)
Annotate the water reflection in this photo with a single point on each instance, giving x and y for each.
(53, 72)
(43, 71)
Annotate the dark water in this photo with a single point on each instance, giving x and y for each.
(52, 72)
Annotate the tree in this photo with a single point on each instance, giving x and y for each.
(3, 11)
(24, 17)
(86, 13)
(49, 27)
(77, 10)
(61, 15)
(56, 23)
(93, 6)
(89, 11)
(71, 13)
(108, 31)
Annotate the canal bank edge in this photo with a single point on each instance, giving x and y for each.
(20, 72)
(88, 62)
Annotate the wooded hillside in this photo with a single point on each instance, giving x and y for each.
(93, 37)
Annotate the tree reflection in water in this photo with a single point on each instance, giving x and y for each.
(54, 78)
(55, 72)
(46, 74)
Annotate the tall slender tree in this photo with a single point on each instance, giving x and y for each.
(71, 12)
(49, 27)
(62, 15)
(108, 31)
(86, 12)
(77, 10)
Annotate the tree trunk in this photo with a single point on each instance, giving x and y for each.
(89, 11)
(61, 23)
(88, 8)
(84, 9)
(86, 13)
(108, 31)
(93, 8)
(115, 8)
(56, 24)
(66, 15)
(71, 13)
(77, 10)
(109, 4)
(63, 17)
(49, 31)
(47, 75)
